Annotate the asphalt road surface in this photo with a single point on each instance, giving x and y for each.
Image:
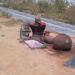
(51, 25)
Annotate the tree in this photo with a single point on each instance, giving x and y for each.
(60, 5)
(70, 15)
(43, 6)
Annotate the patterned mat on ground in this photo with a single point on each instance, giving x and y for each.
(34, 44)
(70, 63)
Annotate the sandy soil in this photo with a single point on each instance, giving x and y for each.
(18, 59)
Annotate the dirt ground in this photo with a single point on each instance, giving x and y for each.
(18, 59)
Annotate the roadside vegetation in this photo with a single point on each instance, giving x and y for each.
(7, 21)
(60, 10)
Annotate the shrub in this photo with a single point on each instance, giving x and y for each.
(43, 6)
(60, 5)
(6, 14)
(70, 15)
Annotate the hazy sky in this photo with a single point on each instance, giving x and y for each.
(71, 0)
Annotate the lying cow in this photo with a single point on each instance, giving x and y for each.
(59, 41)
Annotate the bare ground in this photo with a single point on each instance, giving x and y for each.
(18, 59)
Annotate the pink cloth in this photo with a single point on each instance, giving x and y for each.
(33, 44)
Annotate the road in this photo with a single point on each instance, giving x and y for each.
(51, 25)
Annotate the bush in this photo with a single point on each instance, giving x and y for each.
(70, 15)
(6, 14)
(43, 6)
(60, 5)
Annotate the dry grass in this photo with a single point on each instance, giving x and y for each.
(10, 22)
(70, 15)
